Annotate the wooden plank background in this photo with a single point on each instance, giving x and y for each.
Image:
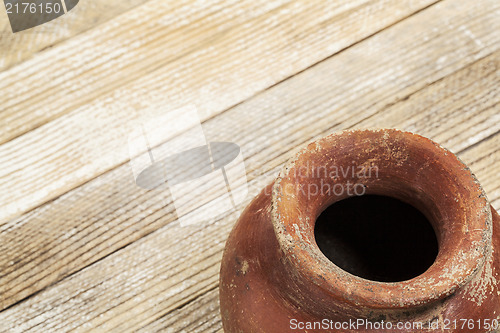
(82, 248)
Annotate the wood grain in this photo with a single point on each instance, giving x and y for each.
(78, 104)
(200, 316)
(19, 47)
(387, 80)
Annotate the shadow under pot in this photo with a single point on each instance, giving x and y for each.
(365, 231)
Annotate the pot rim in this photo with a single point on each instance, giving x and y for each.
(462, 253)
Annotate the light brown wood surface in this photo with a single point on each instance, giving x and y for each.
(82, 248)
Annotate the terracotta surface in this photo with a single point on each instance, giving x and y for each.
(274, 276)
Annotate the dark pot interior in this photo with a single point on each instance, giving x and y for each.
(376, 237)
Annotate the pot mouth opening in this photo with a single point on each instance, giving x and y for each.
(372, 171)
(378, 238)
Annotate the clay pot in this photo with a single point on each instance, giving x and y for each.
(275, 278)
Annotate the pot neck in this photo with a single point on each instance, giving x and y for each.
(408, 167)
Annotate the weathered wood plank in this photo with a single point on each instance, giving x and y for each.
(485, 163)
(146, 276)
(19, 47)
(64, 78)
(185, 66)
(201, 315)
